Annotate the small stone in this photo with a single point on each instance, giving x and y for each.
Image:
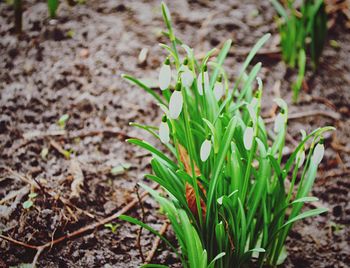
(84, 53)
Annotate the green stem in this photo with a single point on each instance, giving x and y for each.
(17, 4)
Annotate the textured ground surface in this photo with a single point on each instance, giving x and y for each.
(74, 65)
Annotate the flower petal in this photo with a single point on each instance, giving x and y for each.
(205, 150)
(164, 77)
(187, 77)
(279, 123)
(218, 90)
(206, 81)
(252, 113)
(200, 82)
(175, 104)
(248, 138)
(300, 157)
(318, 154)
(164, 132)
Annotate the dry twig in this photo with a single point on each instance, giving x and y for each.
(80, 231)
(153, 250)
(139, 233)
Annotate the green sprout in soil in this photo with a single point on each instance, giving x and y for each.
(225, 175)
(30, 202)
(112, 227)
(302, 28)
(62, 121)
(52, 6)
(120, 169)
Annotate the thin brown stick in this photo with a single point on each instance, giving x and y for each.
(36, 257)
(32, 135)
(37, 135)
(153, 250)
(95, 225)
(338, 147)
(18, 242)
(139, 233)
(59, 148)
(37, 185)
(336, 173)
(82, 230)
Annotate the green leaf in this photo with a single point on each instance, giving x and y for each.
(153, 150)
(143, 86)
(305, 199)
(306, 214)
(120, 169)
(219, 163)
(251, 55)
(219, 256)
(283, 256)
(44, 152)
(112, 227)
(32, 195)
(220, 60)
(52, 6)
(28, 204)
(147, 227)
(63, 120)
(280, 9)
(301, 73)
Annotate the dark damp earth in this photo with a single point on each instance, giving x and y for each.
(73, 66)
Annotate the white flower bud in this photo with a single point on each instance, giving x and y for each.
(252, 113)
(164, 132)
(205, 150)
(279, 123)
(164, 76)
(300, 157)
(317, 154)
(218, 90)
(200, 82)
(175, 104)
(248, 137)
(186, 76)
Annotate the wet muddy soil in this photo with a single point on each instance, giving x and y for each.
(72, 66)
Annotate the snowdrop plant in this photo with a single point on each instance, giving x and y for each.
(224, 175)
(303, 27)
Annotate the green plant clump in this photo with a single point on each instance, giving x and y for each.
(301, 29)
(225, 189)
(52, 6)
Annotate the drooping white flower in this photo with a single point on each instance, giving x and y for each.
(200, 81)
(279, 122)
(175, 104)
(252, 113)
(218, 90)
(165, 75)
(164, 132)
(186, 76)
(318, 154)
(248, 137)
(300, 157)
(205, 150)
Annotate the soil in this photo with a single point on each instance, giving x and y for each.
(72, 65)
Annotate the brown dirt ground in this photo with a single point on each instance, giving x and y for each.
(74, 65)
